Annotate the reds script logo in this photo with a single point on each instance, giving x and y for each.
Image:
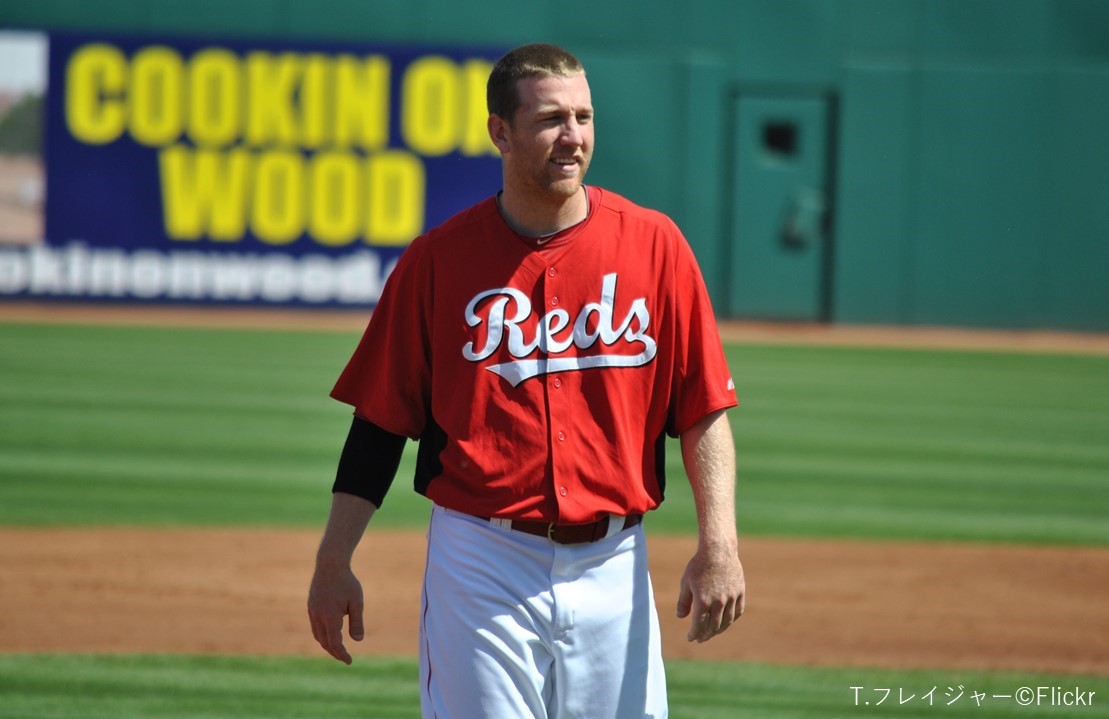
(555, 334)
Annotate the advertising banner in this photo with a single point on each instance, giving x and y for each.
(191, 171)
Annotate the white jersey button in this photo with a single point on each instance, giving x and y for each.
(551, 272)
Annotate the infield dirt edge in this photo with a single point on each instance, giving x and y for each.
(825, 602)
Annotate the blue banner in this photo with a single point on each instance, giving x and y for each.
(263, 173)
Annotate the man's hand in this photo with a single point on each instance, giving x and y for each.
(335, 593)
(712, 593)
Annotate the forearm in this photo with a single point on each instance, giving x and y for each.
(712, 589)
(708, 452)
(335, 592)
(346, 524)
(367, 466)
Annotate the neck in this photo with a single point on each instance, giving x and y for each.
(538, 218)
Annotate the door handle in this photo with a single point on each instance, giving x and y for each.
(803, 219)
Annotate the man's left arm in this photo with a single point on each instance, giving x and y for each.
(712, 588)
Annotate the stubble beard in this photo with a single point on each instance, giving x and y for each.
(564, 188)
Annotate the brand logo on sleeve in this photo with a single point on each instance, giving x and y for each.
(506, 312)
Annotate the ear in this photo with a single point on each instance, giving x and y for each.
(498, 132)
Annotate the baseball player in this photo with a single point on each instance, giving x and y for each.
(540, 345)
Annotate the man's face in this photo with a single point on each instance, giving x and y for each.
(548, 145)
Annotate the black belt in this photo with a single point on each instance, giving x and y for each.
(575, 533)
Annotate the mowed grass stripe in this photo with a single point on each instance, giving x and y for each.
(117, 425)
(923, 444)
(166, 687)
(195, 687)
(104, 425)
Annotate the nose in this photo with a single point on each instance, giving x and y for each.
(571, 133)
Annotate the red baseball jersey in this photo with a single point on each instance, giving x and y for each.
(541, 379)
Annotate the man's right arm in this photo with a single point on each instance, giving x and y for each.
(370, 459)
(335, 592)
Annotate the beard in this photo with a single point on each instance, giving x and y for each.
(561, 187)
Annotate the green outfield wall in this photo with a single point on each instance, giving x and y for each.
(855, 161)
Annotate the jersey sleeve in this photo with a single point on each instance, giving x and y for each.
(702, 381)
(387, 379)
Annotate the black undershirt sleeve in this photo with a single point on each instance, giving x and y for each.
(369, 462)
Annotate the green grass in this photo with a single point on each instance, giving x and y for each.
(163, 687)
(169, 687)
(115, 425)
(923, 444)
(167, 426)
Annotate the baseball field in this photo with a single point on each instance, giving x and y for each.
(924, 523)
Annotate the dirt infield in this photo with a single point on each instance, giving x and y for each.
(810, 603)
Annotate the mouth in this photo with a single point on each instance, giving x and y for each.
(566, 164)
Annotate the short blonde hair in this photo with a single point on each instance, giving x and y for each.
(534, 60)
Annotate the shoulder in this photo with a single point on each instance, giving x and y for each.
(616, 207)
(631, 222)
(645, 236)
(470, 225)
(462, 224)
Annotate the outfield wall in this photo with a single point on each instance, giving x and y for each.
(859, 161)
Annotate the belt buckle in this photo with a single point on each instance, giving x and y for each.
(550, 532)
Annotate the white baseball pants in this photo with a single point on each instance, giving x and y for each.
(515, 626)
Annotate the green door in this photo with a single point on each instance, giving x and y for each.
(780, 250)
